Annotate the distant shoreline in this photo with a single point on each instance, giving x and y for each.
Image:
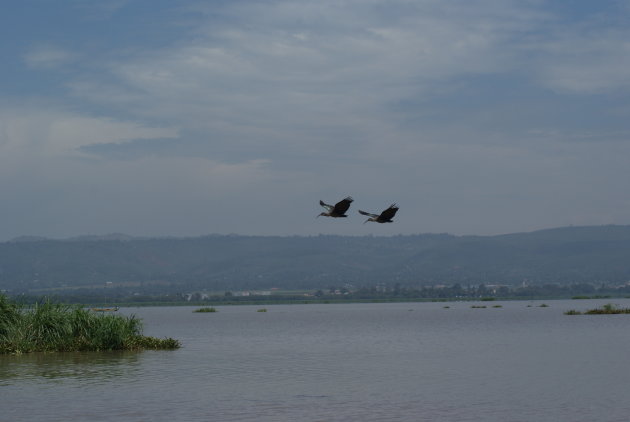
(258, 302)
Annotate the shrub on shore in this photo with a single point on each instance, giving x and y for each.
(54, 327)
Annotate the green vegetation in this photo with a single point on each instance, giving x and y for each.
(608, 309)
(478, 306)
(262, 310)
(497, 306)
(206, 309)
(543, 305)
(557, 263)
(54, 327)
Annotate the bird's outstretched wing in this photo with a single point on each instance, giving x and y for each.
(328, 207)
(389, 213)
(342, 206)
(368, 214)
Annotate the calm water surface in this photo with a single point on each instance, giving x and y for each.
(354, 362)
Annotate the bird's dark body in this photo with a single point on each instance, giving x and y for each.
(384, 217)
(338, 210)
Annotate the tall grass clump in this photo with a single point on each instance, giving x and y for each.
(54, 327)
(9, 314)
(608, 309)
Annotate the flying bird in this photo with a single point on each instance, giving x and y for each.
(338, 210)
(385, 217)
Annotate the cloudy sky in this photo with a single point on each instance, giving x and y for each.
(162, 118)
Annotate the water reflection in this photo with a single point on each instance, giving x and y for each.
(97, 366)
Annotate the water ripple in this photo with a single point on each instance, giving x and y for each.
(363, 362)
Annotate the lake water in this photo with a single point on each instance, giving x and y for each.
(350, 362)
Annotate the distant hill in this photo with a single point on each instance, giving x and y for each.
(565, 255)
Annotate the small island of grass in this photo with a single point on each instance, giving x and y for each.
(206, 309)
(608, 309)
(54, 327)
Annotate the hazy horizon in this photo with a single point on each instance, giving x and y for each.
(201, 235)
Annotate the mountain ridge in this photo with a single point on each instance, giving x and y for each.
(564, 255)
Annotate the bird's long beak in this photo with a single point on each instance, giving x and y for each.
(366, 221)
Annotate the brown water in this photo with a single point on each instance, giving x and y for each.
(355, 362)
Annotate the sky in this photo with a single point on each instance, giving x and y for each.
(188, 118)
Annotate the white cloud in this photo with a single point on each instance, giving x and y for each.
(583, 61)
(51, 188)
(336, 58)
(48, 57)
(41, 132)
(318, 78)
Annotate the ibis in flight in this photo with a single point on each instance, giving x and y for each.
(384, 217)
(338, 210)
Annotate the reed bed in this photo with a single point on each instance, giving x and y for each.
(54, 327)
(608, 309)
